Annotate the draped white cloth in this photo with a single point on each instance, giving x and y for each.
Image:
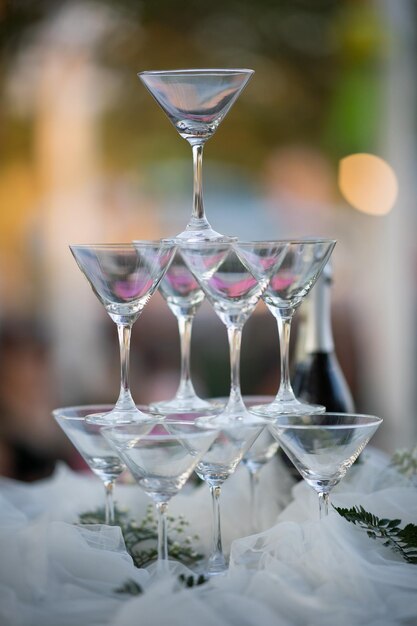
(298, 571)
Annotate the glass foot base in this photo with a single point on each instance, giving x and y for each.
(212, 573)
(228, 419)
(194, 235)
(217, 566)
(189, 405)
(248, 401)
(234, 414)
(115, 417)
(287, 407)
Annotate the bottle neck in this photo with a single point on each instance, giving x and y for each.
(319, 336)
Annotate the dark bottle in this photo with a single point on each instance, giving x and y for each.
(318, 378)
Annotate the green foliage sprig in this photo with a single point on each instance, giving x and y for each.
(132, 588)
(405, 461)
(141, 539)
(401, 540)
(192, 581)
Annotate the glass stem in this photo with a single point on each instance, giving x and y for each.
(162, 563)
(125, 400)
(235, 402)
(217, 562)
(109, 510)
(285, 391)
(185, 323)
(198, 218)
(254, 499)
(323, 504)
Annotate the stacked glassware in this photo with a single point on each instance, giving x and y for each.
(162, 444)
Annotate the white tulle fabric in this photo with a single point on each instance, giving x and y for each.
(298, 571)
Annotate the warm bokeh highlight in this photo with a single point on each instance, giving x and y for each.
(368, 183)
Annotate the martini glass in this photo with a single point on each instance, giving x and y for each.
(259, 454)
(233, 280)
(220, 462)
(183, 296)
(256, 457)
(323, 447)
(196, 101)
(123, 277)
(303, 263)
(161, 463)
(94, 449)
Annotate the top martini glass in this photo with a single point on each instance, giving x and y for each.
(196, 101)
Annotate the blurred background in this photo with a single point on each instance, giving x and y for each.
(321, 142)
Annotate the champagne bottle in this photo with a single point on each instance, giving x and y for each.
(318, 378)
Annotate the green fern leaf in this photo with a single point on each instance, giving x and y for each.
(401, 540)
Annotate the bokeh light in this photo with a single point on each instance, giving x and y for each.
(368, 183)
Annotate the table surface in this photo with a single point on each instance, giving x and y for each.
(297, 571)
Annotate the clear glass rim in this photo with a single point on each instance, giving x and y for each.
(126, 244)
(64, 411)
(198, 72)
(159, 242)
(287, 241)
(253, 244)
(200, 429)
(248, 398)
(369, 420)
